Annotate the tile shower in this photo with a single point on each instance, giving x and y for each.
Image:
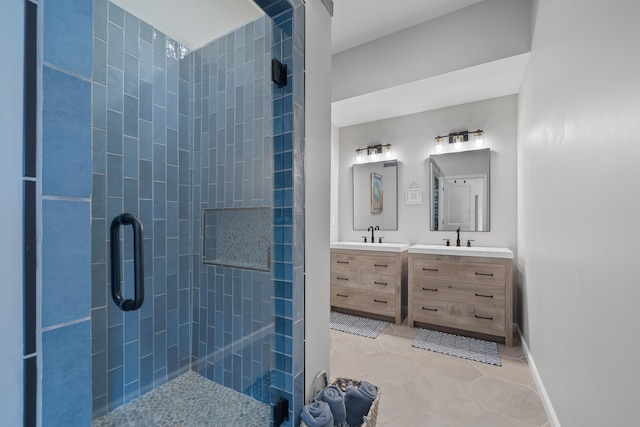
(174, 134)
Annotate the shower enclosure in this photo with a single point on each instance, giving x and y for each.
(206, 151)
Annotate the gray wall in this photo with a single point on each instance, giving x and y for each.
(481, 33)
(412, 140)
(11, 21)
(577, 197)
(317, 163)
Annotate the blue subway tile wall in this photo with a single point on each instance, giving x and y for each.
(232, 176)
(66, 366)
(135, 132)
(66, 241)
(62, 208)
(66, 123)
(67, 41)
(288, 156)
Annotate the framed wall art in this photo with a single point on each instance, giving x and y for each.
(414, 196)
(376, 193)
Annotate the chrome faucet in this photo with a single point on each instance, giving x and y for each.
(458, 239)
(371, 228)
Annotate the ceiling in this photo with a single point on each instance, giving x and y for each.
(359, 21)
(486, 81)
(196, 22)
(356, 22)
(193, 23)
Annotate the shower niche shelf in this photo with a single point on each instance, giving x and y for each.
(237, 237)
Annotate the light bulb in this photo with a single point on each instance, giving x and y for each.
(359, 158)
(458, 145)
(387, 152)
(479, 139)
(374, 155)
(438, 147)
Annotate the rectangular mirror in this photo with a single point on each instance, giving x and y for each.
(459, 184)
(375, 195)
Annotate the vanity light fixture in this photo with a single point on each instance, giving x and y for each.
(458, 141)
(458, 138)
(372, 152)
(387, 151)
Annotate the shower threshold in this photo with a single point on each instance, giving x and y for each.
(189, 401)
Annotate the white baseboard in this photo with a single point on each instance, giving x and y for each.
(546, 402)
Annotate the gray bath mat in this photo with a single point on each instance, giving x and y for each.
(459, 346)
(369, 328)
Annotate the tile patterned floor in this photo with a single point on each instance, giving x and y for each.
(422, 388)
(189, 401)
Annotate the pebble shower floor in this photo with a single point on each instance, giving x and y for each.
(189, 401)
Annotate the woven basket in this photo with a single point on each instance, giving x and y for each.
(372, 416)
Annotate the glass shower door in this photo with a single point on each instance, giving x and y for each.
(174, 132)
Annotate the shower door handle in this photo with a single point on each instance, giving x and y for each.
(138, 262)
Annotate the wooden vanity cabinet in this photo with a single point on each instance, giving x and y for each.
(462, 292)
(368, 281)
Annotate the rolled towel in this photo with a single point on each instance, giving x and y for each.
(335, 398)
(358, 401)
(369, 390)
(317, 414)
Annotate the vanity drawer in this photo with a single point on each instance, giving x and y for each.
(482, 319)
(469, 272)
(375, 263)
(472, 293)
(378, 283)
(468, 293)
(368, 281)
(357, 299)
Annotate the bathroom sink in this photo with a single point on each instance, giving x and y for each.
(462, 250)
(361, 246)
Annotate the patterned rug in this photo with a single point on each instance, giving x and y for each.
(369, 328)
(459, 346)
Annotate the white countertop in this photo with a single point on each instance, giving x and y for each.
(361, 246)
(462, 251)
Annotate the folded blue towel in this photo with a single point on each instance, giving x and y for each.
(358, 401)
(335, 398)
(317, 414)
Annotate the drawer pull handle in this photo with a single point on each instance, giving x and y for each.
(429, 289)
(380, 265)
(380, 283)
(343, 296)
(483, 317)
(380, 301)
(342, 278)
(429, 309)
(484, 296)
(343, 262)
(430, 269)
(484, 274)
